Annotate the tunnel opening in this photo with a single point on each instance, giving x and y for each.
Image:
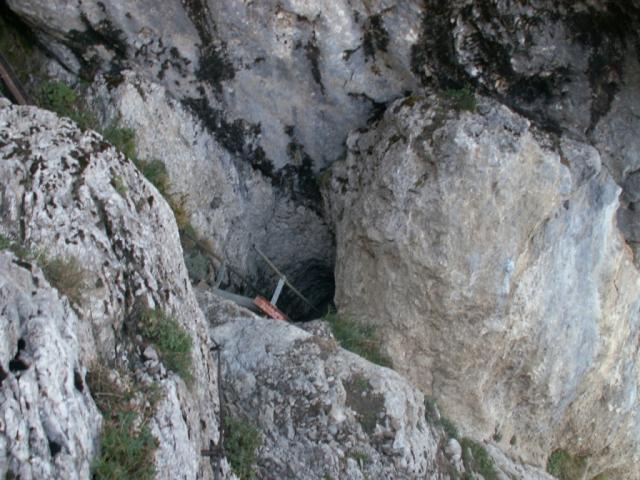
(313, 279)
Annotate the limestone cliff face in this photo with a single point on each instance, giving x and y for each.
(59, 195)
(487, 253)
(266, 75)
(318, 409)
(233, 207)
(483, 194)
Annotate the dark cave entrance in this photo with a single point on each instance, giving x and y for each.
(313, 279)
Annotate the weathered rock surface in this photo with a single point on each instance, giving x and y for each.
(487, 254)
(48, 421)
(281, 82)
(70, 193)
(570, 67)
(232, 205)
(324, 412)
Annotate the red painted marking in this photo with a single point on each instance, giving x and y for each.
(268, 308)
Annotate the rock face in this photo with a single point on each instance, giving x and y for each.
(571, 68)
(494, 248)
(71, 193)
(232, 205)
(48, 421)
(487, 254)
(324, 412)
(279, 81)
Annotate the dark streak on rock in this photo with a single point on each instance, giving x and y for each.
(376, 37)
(312, 52)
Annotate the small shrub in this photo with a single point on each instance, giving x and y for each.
(126, 452)
(462, 98)
(198, 265)
(5, 242)
(66, 274)
(241, 444)
(21, 251)
(127, 447)
(63, 100)
(124, 139)
(171, 340)
(476, 459)
(449, 428)
(565, 466)
(360, 339)
(156, 172)
(360, 457)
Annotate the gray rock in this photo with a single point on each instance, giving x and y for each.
(150, 353)
(294, 77)
(58, 192)
(490, 263)
(48, 420)
(322, 411)
(232, 207)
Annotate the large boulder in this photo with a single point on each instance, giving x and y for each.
(486, 252)
(69, 194)
(323, 412)
(569, 67)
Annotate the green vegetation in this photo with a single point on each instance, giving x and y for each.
(367, 404)
(462, 98)
(62, 99)
(5, 242)
(21, 251)
(125, 453)
(434, 417)
(360, 339)
(66, 274)
(171, 340)
(241, 443)
(119, 184)
(127, 447)
(449, 428)
(124, 139)
(476, 459)
(565, 466)
(156, 172)
(360, 457)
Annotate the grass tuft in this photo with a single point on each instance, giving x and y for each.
(63, 100)
(126, 452)
(119, 184)
(172, 341)
(564, 466)
(124, 139)
(127, 447)
(64, 273)
(5, 242)
(476, 459)
(67, 275)
(241, 443)
(360, 339)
